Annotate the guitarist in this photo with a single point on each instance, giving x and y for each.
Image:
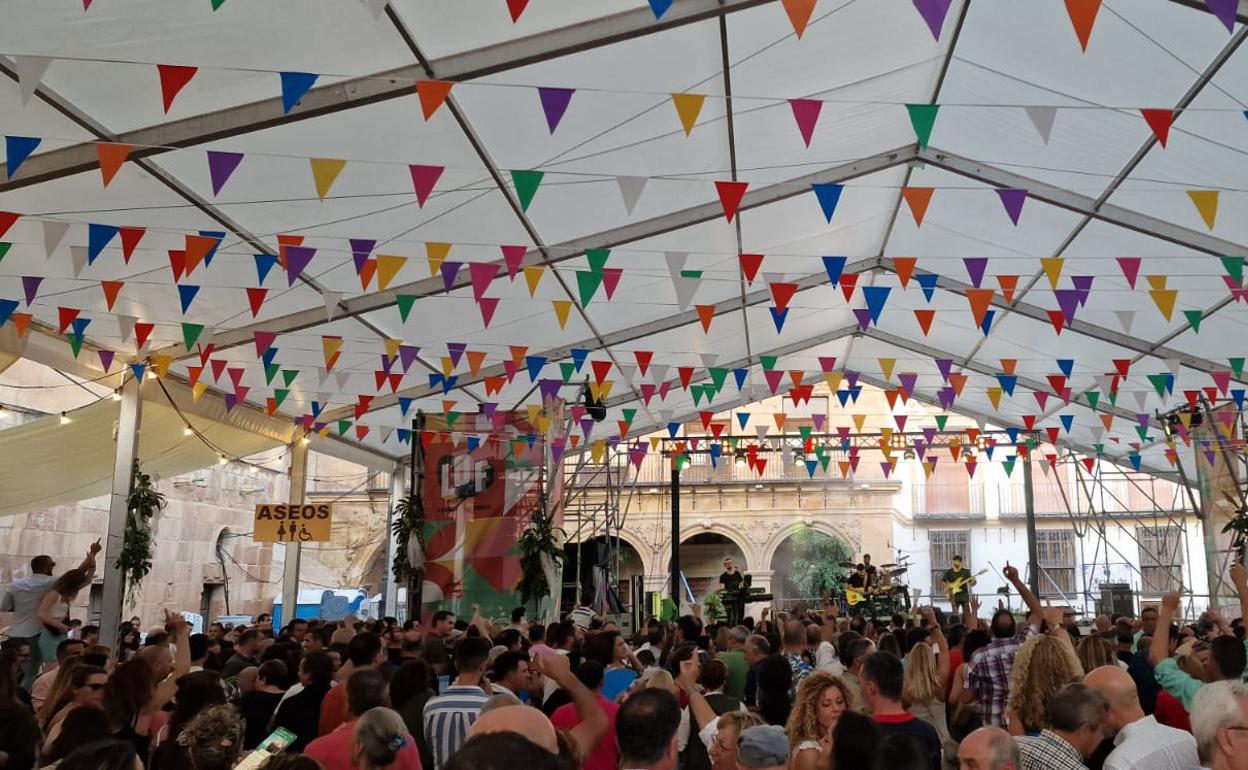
(958, 581)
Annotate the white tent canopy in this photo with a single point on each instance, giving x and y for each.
(1022, 107)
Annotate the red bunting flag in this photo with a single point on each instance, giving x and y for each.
(750, 263)
(730, 195)
(643, 360)
(255, 298)
(111, 157)
(130, 237)
(515, 8)
(67, 316)
(904, 267)
(432, 93)
(7, 218)
(925, 318)
(1159, 121)
(782, 293)
(173, 78)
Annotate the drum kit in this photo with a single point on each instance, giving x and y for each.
(884, 593)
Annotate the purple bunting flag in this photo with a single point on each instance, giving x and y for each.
(554, 103)
(221, 167)
(1012, 200)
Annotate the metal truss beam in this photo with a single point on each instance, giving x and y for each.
(377, 87)
(564, 251)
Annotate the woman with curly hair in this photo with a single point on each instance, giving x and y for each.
(213, 739)
(1043, 665)
(821, 699)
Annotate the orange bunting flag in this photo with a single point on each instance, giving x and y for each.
(706, 313)
(799, 12)
(1159, 121)
(111, 288)
(432, 93)
(925, 317)
(1008, 284)
(1206, 202)
(1009, 366)
(917, 198)
(1082, 16)
(980, 300)
(904, 267)
(688, 107)
(325, 172)
(562, 308)
(111, 157)
(730, 195)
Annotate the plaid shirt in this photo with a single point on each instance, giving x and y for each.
(988, 674)
(1048, 752)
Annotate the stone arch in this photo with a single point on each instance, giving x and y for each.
(768, 551)
(781, 556)
(733, 535)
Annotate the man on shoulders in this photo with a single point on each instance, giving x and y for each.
(1077, 718)
(1140, 742)
(882, 680)
(22, 600)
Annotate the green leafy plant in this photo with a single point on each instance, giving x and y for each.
(713, 607)
(409, 517)
(816, 563)
(537, 540)
(135, 560)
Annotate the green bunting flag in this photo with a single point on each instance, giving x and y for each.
(1093, 397)
(1234, 267)
(190, 334)
(597, 258)
(923, 118)
(270, 372)
(1194, 317)
(941, 420)
(567, 369)
(1008, 464)
(1237, 366)
(279, 396)
(526, 183)
(768, 362)
(289, 375)
(4, 249)
(587, 282)
(405, 302)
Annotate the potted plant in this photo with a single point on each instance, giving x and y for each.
(135, 559)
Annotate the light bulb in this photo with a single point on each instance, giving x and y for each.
(305, 441)
(65, 419)
(222, 459)
(151, 374)
(187, 431)
(117, 395)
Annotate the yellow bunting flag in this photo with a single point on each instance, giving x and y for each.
(688, 106)
(324, 172)
(1053, 269)
(1206, 202)
(597, 450)
(886, 367)
(562, 307)
(1156, 282)
(448, 366)
(392, 347)
(1164, 299)
(161, 365)
(197, 390)
(994, 395)
(833, 379)
(436, 253)
(388, 267)
(533, 276)
(859, 420)
(332, 348)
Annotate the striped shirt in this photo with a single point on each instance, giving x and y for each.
(447, 719)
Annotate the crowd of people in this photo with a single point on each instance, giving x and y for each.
(807, 690)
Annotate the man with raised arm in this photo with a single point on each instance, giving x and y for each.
(988, 675)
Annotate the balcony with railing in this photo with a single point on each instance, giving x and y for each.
(656, 470)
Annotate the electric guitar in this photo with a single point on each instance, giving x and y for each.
(952, 589)
(853, 597)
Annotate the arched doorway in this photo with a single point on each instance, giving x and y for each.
(702, 560)
(807, 563)
(589, 560)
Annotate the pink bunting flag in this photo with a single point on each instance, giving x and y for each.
(806, 113)
(488, 305)
(483, 274)
(554, 104)
(513, 256)
(611, 279)
(264, 341)
(827, 363)
(1130, 267)
(423, 180)
(1012, 200)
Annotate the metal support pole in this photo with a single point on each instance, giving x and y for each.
(416, 482)
(297, 472)
(390, 592)
(1029, 505)
(675, 576)
(127, 439)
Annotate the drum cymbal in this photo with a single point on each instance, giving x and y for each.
(849, 565)
(890, 565)
(896, 572)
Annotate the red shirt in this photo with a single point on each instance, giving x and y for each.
(335, 750)
(1169, 711)
(333, 709)
(605, 757)
(955, 660)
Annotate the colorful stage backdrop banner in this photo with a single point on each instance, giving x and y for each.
(482, 484)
